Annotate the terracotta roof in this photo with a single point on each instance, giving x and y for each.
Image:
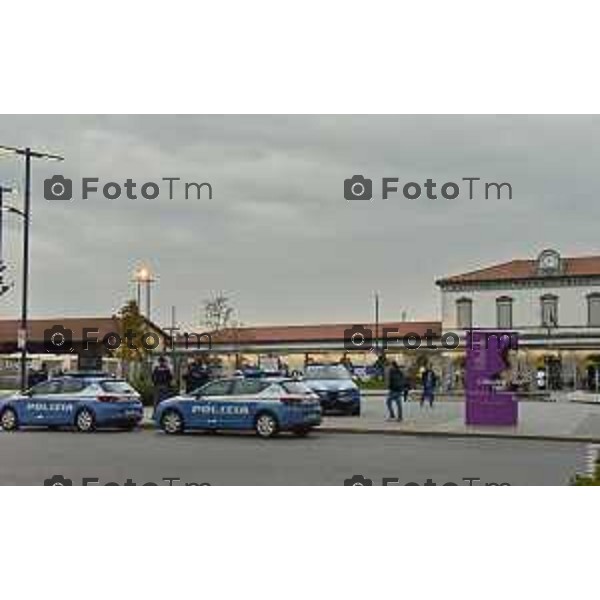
(36, 327)
(317, 333)
(582, 266)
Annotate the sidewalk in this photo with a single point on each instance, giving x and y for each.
(553, 421)
(559, 420)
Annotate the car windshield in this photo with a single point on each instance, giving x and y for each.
(117, 387)
(327, 372)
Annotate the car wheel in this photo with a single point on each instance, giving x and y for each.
(85, 421)
(266, 425)
(301, 431)
(9, 420)
(171, 422)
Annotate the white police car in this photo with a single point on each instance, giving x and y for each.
(266, 406)
(83, 402)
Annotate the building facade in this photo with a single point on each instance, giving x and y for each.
(552, 302)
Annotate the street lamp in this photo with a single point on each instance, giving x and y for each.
(28, 153)
(551, 322)
(143, 275)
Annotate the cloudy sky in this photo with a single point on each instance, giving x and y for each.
(278, 236)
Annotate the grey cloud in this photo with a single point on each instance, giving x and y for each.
(278, 235)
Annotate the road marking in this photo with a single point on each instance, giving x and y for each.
(592, 455)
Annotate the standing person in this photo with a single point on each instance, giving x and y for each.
(407, 386)
(161, 379)
(39, 376)
(44, 373)
(197, 375)
(429, 380)
(396, 386)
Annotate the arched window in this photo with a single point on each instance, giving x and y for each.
(464, 313)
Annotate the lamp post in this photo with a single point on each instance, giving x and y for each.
(551, 322)
(143, 275)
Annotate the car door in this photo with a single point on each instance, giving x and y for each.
(204, 408)
(238, 410)
(66, 400)
(39, 402)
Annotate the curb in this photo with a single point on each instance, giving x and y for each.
(460, 434)
(149, 425)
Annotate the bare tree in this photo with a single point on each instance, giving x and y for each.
(218, 313)
(220, 320)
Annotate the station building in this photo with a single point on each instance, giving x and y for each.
(551, 301)
(298, 345)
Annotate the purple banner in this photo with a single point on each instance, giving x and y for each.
(488, 401)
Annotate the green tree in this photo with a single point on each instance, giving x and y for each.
(132, 323)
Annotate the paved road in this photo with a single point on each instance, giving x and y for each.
(27, 458)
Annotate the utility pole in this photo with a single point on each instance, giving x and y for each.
(377, 323)
(172, 332)
(3, 286)
(3, 190)
(28, 153)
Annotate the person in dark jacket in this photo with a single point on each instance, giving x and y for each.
(197, 376)
(161, 379)
(35, 377)
(396, 385)
(429, 381)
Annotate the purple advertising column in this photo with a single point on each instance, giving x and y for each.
(488, 402)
